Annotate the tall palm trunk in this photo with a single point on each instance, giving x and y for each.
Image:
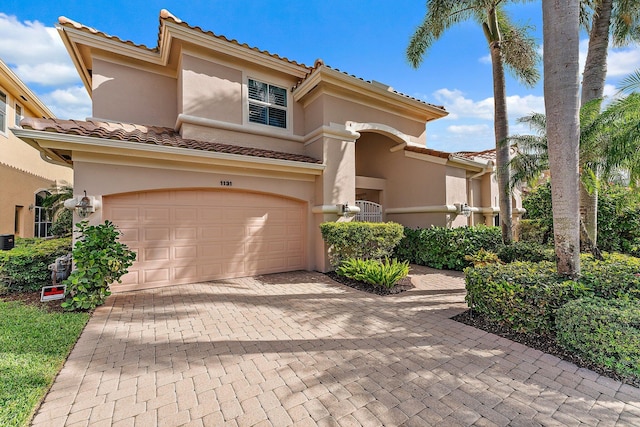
(561, 87)
(500, 124)
(593, 80)
(501, 128)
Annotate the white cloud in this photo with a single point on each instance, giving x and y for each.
(35, 52)
(623, 61)
(469, 129)
(69, 103)
(485, 59)
(460, 106)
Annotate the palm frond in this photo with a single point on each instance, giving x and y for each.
(519, 50)
(631, 83)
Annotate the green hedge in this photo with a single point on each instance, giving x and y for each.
(606, 331)
(525, 251)
(446, 248)
(364, 240)
(525, 295)
(520, 295)
(25, 267)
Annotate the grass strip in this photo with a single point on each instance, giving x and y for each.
(34, 344)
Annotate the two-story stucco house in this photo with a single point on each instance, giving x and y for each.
(220, 160)
(25, 177)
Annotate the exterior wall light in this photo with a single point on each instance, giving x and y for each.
(84, 207)
(464, 209)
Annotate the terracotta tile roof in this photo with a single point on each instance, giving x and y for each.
(489, 154)
(166, 15)
(320, 63)
(429, 151)
(152, 135)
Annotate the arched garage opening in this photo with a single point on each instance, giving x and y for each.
(194, 235)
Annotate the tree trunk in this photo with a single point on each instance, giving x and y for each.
(501, 130)
(561, 88)
(593, 80)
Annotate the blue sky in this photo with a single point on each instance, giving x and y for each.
(364, 38)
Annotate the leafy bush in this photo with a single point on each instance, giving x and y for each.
(520, 295)
(604, 331)
(100, 260)
(375, 272)
(440, 247)
(63, 224)
(525, 295)
(25, 267)
(525, 251)
(364, 240)
(617, 276)
(618, 218)
(533, 231)
(483, 257)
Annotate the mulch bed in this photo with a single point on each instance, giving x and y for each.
(33, 299)
(402, 286)
(543, 343)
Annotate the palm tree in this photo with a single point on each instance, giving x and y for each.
(619, 19)
(609, 144)
(510, 46)
(54, 202)
(561, 31)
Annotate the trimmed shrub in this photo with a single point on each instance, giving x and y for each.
(525, 295)
(533, 231)
(364, 240)
(617, 276)
(376, 272)
(520, 295)
(100, 259)
(446, 248)
(604, 331)
(25, 267)
(525, 251)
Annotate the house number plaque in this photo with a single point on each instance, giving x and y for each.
(226, 183)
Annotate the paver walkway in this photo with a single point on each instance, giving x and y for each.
(300, 349)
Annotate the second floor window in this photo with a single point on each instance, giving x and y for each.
(3, 112)
(267, 104)
(18, 115)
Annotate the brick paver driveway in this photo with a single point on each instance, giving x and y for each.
(299, 349)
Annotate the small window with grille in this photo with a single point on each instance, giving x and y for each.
(267, 104)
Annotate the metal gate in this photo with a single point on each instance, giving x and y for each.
(369, 211)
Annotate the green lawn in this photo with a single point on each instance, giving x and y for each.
(33, 347)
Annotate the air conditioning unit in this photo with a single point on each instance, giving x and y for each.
(6, 242)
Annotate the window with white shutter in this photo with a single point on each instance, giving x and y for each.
(267, 104)
(3, 112)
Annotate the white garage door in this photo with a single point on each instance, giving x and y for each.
(188, 236)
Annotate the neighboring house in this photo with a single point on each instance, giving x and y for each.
(220, 160)
(25, 176)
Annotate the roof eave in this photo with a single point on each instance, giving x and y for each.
(338, 78)
(35, 103)
(50, 142)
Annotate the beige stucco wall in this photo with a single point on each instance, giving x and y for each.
(23, 173)
(133, 95)
(100, 179)
(210, 90)
(340, 110)
(17, 194)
